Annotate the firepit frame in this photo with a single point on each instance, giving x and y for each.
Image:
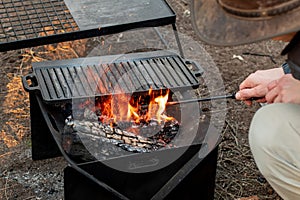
(194, 178)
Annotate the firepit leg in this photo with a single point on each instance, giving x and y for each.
(42, 143)
(178, 40)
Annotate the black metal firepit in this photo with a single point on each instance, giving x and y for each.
(189, 177)
(176, 171)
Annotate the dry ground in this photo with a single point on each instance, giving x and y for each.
(22, 178)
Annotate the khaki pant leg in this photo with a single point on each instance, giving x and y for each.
(274, 139)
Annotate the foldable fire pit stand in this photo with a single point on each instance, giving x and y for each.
(28, 23)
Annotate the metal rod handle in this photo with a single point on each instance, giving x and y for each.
(228, 96)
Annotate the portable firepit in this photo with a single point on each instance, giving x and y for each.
(91, 85)
(136, 159)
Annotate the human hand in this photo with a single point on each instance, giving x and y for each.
(284, 90)
(256, 84)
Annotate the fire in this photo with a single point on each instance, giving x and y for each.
(140, 110)
(155, 109)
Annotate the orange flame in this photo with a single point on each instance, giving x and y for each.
(139, 110)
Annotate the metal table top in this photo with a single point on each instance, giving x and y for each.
(28, 23)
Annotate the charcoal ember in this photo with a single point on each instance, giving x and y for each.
(98, 112)
(168, 132)
(150, 129)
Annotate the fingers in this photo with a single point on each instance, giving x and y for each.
(247, 83)
(278, 99)
(273, 84)
(272, 95)
(245, 94)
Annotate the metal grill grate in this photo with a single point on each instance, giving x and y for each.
(98, 76)
(26, 23)
(26, 19)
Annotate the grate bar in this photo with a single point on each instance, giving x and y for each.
(63, 83)
(177, 72)
(148, 82)
(87, 83)
(185, 72)
(43, 87)
(49, 86)
(120, 84)
(133, 79)
(169, 68)
(56, 86)
(139, 77)
(162, 72)
(69, 81)
(98, 81)
(149, 69)
(77, 83)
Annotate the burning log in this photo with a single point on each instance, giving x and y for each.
(119, 135)
(122, 122)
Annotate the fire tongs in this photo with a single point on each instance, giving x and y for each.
(227, 96)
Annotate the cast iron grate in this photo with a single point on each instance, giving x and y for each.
(106, 75)
(26, 19)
